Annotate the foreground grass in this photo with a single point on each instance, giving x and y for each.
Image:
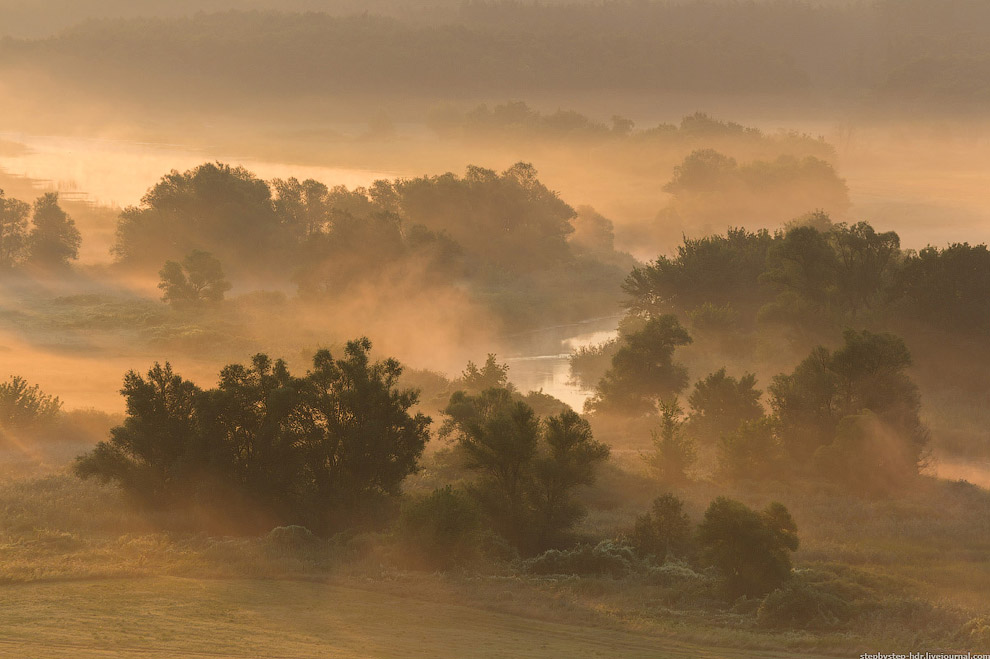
(82, 572)
(247, 618)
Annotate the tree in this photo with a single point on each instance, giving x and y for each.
(866, 264)
(441, 530)
(156, 452)
(948, 287)
(54, 240)
(720, 403)
(643, 370)
(320, 451)
(13, 230)
(568, 460)
(867, 373)
(750, 550)
(499, 438)
(752, 452)
(491, 375)
(221, 209)
(804, 269)
(198, 280)
(715, 270)
(673, 451)
(664, 531)
(528, 470)
(24, 407)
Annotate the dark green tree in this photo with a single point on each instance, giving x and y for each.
(643, 370)
(948, 288)
(155, 454)
(321, 451)
(224, 210)
(804, 269)
(867, 264)
(568, 459)
(197, 281)
(752, 452)
(720, 403)
(54, 240)
(490, 376)
(751, 550)
(499, 437)
(528, 470)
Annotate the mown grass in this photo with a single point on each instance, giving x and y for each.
(919, 563)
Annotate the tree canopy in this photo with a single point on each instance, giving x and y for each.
(320, 450)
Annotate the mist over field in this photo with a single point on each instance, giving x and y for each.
(444, 329)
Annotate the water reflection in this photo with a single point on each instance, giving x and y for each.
(543, 362)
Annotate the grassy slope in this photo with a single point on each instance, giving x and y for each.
(239, 618)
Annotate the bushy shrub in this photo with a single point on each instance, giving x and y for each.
(800, 605)
(750, 549)
(607, 558)
(441, 530)
(663, 531)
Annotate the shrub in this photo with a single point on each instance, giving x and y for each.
(664, 531)
(749, 549)
(441, 530)
(607, 558)
(799, 605)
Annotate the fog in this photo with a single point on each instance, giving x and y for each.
(631, 275)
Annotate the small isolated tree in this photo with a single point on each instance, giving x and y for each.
(664, 531)
(673, 451)
(643, 370)
(13, 230)
(26, 407)
(751, 550)
(720, 403)
(198, 280)
(54, 240)
(528, 470)
(491, 375)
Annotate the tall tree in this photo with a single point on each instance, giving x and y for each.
(54, 240)
(643, 370)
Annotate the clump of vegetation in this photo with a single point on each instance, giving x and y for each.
(665, 531)
(643, 370)
(604, 559)
(528, 470)
(441, 530)
(751, 550)
(198, 280)
(320, 451)
(673, 450)
(52, 242)
(25, 407)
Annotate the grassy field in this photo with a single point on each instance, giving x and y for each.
(181, 617)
